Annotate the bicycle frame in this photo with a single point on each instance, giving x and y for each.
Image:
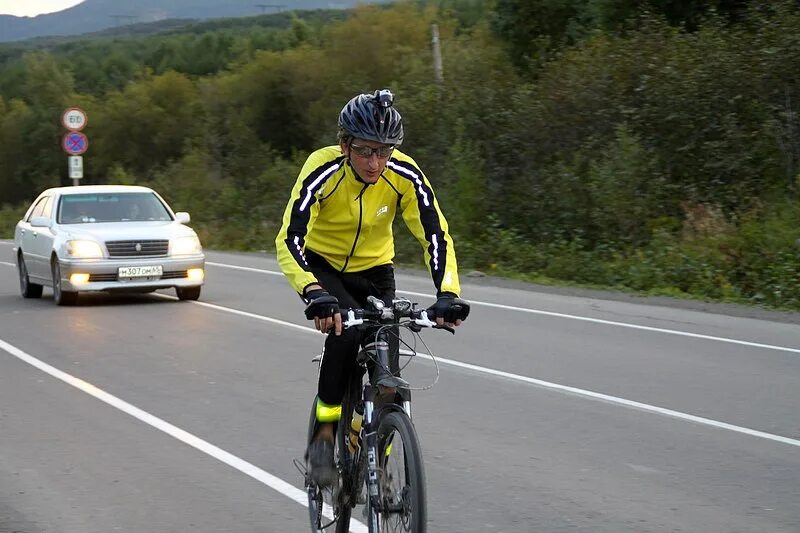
(387, 434)
(399, 400)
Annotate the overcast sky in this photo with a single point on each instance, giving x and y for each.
(30, 8)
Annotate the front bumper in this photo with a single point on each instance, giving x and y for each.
(103, 273)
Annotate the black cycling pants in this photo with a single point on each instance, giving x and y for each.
(352, 290)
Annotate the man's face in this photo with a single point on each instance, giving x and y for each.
(367, 157)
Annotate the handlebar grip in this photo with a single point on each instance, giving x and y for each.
(462, 307)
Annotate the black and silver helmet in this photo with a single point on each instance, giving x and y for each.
(372, 117)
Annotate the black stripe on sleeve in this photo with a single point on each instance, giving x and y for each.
(301, 209)
(429, 217)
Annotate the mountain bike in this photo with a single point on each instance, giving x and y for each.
(378, 461)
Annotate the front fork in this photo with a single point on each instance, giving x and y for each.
(370, 440)
(370, 433)
(370, 436)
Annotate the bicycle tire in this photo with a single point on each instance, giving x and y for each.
(401, 476)
(319, 497)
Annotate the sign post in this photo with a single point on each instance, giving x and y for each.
(74, 142)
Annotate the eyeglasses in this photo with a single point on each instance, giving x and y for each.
(366, 151)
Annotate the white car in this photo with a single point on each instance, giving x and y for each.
(106, 238)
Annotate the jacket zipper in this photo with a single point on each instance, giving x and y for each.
(358, 231)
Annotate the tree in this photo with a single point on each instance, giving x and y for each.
(147, 124)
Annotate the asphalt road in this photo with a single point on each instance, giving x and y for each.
(552, 412)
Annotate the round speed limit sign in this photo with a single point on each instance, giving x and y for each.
(74, 119)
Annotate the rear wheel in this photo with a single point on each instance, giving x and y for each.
(26, 288)
(60, 296)
(327, 507)
(188, 293)
(401, 476)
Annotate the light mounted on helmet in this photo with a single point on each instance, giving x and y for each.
(384, 98)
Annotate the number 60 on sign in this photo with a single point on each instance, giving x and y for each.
(74, 119)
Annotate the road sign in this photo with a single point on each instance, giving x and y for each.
(75, 167)
(75, 143)
(74, 119)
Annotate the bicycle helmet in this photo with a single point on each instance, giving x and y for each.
(372, 117)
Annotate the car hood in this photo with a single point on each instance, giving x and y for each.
(124, 231)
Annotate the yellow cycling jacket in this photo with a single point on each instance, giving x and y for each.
(349, 222)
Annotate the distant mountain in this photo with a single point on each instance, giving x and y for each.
(95, 15)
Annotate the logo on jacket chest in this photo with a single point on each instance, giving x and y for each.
(382, 211)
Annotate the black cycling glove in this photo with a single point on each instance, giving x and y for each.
(320, 304)
(450, 308)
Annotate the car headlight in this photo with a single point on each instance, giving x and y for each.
(185, 246)
(84, 249)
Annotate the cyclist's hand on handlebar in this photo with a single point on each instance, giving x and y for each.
(449, 310)
(323, 309)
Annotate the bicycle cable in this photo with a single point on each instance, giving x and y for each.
(412, 349)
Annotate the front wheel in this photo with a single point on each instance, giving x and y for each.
(401, 476)
(61, 296)
(188, 293)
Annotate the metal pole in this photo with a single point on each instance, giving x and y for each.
(437, 55)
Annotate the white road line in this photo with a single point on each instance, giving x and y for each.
(304, 329)
(621, 401)
(206, 447)
(553, 314)
(547, 384)
(247, 269)
(573, 317)
(541, 383)
(633, 326)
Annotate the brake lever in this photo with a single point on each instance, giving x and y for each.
(351, 320)
(426, 320)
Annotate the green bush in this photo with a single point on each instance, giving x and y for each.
(9, 216)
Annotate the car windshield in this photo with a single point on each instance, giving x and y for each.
(111, 207)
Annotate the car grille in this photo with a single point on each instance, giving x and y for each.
(174, 274)
(146, 248)
(102, 277)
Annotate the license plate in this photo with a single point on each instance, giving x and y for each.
(152, 271)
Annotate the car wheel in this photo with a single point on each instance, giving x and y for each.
(28, 289)
(60, 296)
(188, 293)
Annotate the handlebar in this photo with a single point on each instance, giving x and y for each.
(400, 309)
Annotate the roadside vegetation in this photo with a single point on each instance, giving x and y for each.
(588, 141)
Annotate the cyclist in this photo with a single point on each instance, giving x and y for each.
(336, 247)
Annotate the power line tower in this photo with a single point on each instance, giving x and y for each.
(120, 20)
(276, 7)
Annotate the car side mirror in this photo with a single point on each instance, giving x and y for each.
(40, 222)
(182, 217)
